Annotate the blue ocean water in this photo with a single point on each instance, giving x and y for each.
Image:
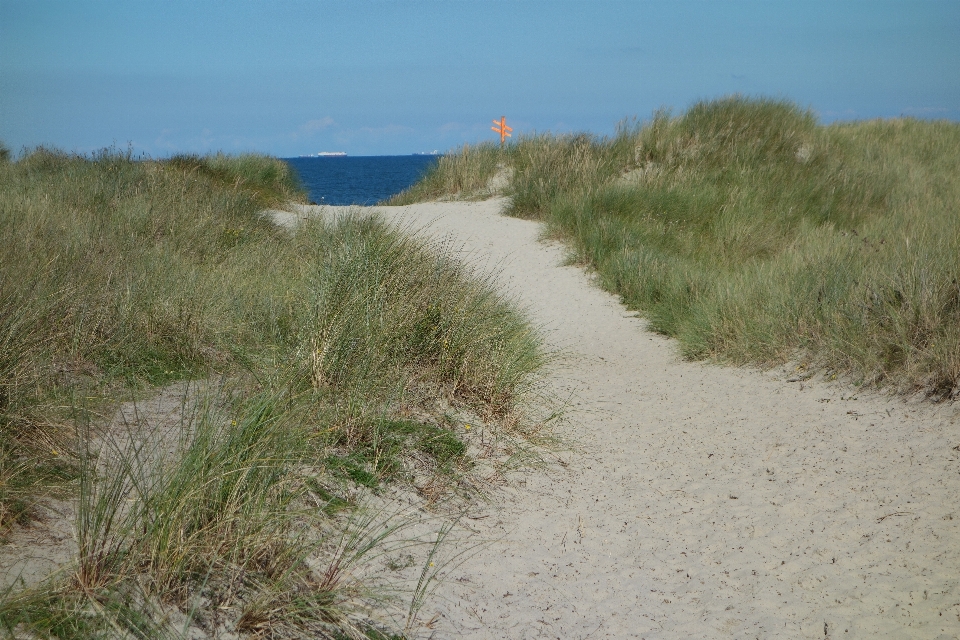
(360, 179)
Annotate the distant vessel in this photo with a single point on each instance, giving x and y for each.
(427, 153)
(331, 154)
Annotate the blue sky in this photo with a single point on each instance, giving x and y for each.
(393, 77)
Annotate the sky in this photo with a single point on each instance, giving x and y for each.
(386, 77)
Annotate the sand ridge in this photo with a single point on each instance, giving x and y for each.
(703, 501)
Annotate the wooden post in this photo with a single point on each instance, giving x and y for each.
(502, 128)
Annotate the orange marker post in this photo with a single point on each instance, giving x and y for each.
(502, 128)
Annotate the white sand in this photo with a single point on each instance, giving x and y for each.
(703, 502)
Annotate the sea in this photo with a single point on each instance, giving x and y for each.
(363, 180)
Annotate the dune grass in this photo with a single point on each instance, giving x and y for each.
(340, 352)
(465, 172)
(754, 234)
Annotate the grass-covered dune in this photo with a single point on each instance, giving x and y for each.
(754, 234)
(324, 359)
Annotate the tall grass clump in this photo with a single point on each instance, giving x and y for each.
(462, 172)
(200, 530)
(752, 233)
(397, 329)
(546, 166)
(391, 314)
(339, 350)
(119, 274)
(270, 179)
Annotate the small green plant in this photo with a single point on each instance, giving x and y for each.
(380, 457)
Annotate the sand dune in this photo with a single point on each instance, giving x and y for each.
(701, 501)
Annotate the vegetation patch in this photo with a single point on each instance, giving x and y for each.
(754, 234)
(382, 457)
(319, 361)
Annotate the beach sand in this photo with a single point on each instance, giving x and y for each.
(698, 501)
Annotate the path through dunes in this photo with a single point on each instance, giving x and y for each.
(701, 501)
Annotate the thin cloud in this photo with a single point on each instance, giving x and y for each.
(312, 126)
(389, 130)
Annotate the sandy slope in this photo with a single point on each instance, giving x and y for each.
(34, 553)
(703, 502)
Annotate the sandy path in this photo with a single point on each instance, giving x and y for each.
(704, 502)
